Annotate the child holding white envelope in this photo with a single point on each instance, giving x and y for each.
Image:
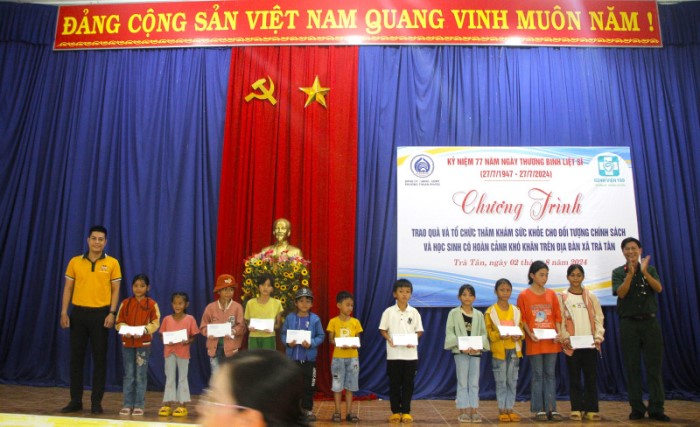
(344, 334)
(301, 335)
(137, 320)
(222, 323)
(179, 330)
(503, 325)
(401, 326)
(263, 315)
(541, 314)
(582, 333)
(465, 336)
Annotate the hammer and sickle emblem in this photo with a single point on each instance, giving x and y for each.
(265, 93)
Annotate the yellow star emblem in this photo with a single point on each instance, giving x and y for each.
(316, 93)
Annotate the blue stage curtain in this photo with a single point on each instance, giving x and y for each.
(131, 139)
(648, 99)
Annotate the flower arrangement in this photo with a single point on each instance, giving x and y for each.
(290, 273)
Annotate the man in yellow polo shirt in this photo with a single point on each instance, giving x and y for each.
(92, 285)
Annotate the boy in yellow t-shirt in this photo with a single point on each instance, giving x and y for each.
(345, 366)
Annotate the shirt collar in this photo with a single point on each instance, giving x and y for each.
(104, 255)
(408, 306)
(227, 305)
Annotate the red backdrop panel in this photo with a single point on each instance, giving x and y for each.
(287, 160)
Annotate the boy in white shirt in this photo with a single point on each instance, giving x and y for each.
(402, 360)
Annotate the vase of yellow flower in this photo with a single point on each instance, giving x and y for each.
(290, 273)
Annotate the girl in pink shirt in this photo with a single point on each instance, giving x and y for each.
(177, 357)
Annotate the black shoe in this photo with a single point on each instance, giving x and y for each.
(97, 408)
(636, 415)
(72, 407)
(660, 417)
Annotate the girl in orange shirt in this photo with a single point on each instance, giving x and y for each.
(540, 310)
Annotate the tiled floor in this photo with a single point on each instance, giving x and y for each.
(49, 400)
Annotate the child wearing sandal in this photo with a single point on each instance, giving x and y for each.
(345, 367)
(177, 357)
(466, 321)
(540, 309)
(582, 316)
(505, 349)
(142, 312)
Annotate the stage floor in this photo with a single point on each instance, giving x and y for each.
(40, 406)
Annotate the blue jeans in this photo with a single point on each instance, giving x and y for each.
(135, 375)
(218, 359)
(345, 373)
(543, 396)
(467, 368)
(505, 372)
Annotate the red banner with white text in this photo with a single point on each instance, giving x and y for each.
(617, 23)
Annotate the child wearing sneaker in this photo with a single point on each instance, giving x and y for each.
(466, 321)
(540, 309)
(142, 312)
(303, 353)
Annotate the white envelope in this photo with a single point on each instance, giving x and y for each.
(298, 336)
(219, 330)
(132, 330)
(473, 343)
(545, 334)
(262, 324)
(347, 342)
(405, 339)
(582, 341)
(175, 337)
(511, 331)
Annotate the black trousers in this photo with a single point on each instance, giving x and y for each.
(87, 325)
(402, 374)
(584, 397)
(642, 339)
(308, 371)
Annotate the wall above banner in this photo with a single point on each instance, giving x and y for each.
(615, 23)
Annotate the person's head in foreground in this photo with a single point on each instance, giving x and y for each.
(254, 388)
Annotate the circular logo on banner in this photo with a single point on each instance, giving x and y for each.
(422, 166)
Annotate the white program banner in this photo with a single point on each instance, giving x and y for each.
(477, 214)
